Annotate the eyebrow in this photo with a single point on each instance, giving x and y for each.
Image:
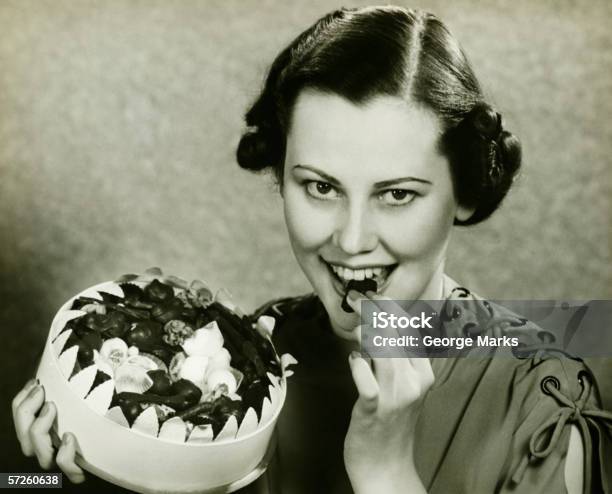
(384, 183)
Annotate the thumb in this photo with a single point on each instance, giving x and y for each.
(366, 383)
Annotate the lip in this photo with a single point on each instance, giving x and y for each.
(339, 287)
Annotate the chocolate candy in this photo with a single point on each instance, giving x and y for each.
(361, 286)
(145, 334)
(158, 292)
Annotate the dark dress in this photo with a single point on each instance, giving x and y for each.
(487, 425)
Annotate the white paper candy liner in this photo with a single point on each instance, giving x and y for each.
(229, 429)
(60, 342)
(113, 289)
(102, 364)
(225, 299)
(274, 396)
(153, 271)
(67, 360)
(99, 399)
(267, 411)
(81, 382)
(201, 434)
(91, 293)
(176, 282)
(116, 415)
(147, 422)
(59, 322)
(173, 429)
(286, 360)
(248, 424)
(265, 326)
(274, 380)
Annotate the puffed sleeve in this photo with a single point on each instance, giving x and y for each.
(562, 392)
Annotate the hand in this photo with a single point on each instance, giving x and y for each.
(33, 418)
(378, 448)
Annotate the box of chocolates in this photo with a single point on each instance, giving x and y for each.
(166, 387)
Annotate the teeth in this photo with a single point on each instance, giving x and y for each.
(348, 274)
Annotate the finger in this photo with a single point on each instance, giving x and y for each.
(353, 298)
(40, 437)
(19, 397)
(392, 306)
(24, 416)
(396, 377)
(375, 296)
(366, 384)
(423, 366)
(66, 459)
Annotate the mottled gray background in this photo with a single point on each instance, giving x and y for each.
(119, 120)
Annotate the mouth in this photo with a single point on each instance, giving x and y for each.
(343, 274)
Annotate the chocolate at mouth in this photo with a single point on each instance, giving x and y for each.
(362, 286)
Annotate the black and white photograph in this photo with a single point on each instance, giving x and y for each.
(306, 247)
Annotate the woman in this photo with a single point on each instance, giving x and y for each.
(376, 128)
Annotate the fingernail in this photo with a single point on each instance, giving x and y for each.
(370, 294)
(45, 409)
(354, 355)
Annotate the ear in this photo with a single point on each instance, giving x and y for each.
(464, 213)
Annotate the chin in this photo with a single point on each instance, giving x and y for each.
(342, 322)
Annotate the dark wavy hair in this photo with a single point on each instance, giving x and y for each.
(363, 53)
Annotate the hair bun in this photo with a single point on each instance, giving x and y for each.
(254, 151)
(486, 121)
(511, 152)
(484, 159)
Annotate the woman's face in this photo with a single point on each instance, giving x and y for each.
(367, 194)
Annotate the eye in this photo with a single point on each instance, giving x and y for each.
(321, 190)
(397, 197)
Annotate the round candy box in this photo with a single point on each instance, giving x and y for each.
(166, 388)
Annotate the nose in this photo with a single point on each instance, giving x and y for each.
(355, 233)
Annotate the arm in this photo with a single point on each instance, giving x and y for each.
(574, 463)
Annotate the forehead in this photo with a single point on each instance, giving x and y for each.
(385, 136)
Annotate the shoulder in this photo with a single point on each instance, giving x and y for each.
(552, 394)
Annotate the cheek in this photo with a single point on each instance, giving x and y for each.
(309, 227)
(424, 231)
